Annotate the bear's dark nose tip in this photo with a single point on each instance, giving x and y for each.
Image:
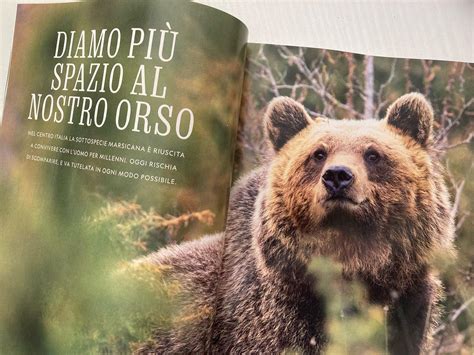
(337, 179)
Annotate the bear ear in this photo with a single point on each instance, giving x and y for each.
(284, 118)
(413, 115)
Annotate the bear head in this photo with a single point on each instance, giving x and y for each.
(369, 193)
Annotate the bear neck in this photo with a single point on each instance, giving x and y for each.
(279, 247)
(285, 252)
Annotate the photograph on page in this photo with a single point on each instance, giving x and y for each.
(353, 199)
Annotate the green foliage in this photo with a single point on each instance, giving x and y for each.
(134, 231)
(70, 286)
(354, 325)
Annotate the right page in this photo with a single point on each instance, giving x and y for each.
(348, 228)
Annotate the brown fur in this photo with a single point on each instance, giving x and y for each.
(195, 275)
(396, 214)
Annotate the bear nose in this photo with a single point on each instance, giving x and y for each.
(337, 178)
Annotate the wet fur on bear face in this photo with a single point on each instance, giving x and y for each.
(394, 209)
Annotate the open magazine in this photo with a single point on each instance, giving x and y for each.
(167, 187)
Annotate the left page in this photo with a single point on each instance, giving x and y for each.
(116, 140)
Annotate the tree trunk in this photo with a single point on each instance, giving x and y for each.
(369, 87)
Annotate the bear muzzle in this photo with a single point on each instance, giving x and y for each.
(337, 180)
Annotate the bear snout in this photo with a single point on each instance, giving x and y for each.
(337, 179)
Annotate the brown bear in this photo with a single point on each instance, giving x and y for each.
(368, 194)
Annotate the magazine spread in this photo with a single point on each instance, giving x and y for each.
(167, 187)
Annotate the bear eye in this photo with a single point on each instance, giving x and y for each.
(320, 155)
(372, 156)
